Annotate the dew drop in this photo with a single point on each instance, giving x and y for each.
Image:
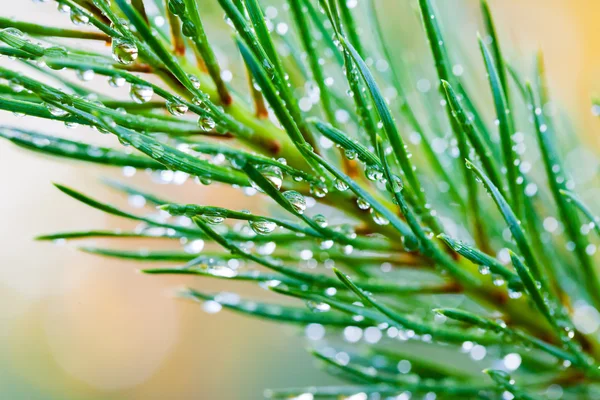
(64, 8)
(271, 173)
(318, 190)
(85, 75)
(262, 226)
(497, 280)
(15, 86)
(188, 28)
(378, 218)
(194, 247)
(124, 51)
(296, 200)
(212, 307)
(78, 18)
(213, 217)
(57, 112)
(318, 307)
(484, 269)
(195, 81)
(176, 107)
(362, 204)
(320, 220)
(327, 244)
(396, 185)
(141, 93)
(206, 123)
(340, 185)
(157, 150)
(116, 81)
(373, 173)
(350, 154)
(514, 294)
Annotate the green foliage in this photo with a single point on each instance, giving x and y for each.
(365, 246)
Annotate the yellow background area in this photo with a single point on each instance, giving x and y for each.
(76, 326)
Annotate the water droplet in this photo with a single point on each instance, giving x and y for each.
(320, 220)
(271, 173)
(63, 8)
(141, 93)
(57, 112)
(340, 185)
(116, 81)
(318, 307)
(15, 33)
(176, 107)
(213, 217)
(318, 190)
(195, 81)
(78, 18)
(262, 226)
(222, 270)
(378, 218)
(129, 171)
(350, 154)
(362, 204)
(157, 150)
(514, 294)
(373, 173)
(296, 200)
(569, 333)
(188, 28)
(206, 123)
(194, 246)
(409, 243)
(124, 51)
(327, 244)
(211, 307)
(396, 185)
(497, 280)
(15, 86)
(85, 75)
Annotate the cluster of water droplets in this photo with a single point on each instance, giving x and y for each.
(126, 52)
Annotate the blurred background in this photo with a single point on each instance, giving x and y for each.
(76, 326)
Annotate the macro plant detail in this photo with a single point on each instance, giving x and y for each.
(405, 232)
